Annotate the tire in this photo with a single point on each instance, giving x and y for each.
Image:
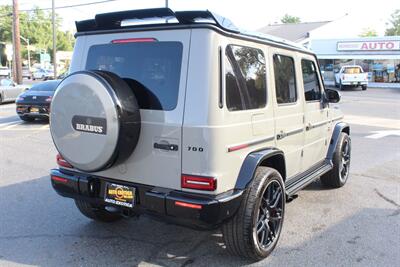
(337, 177)
(341, 87)
(96, 213)
(363, 87)
(240, 232)
(27, 119)
(107, 94)
(1, 99)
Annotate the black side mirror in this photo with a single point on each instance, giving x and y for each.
(332, 96)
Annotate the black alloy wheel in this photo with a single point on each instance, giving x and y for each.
(269, 222)
(345, 160)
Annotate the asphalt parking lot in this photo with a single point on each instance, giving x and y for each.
(357, 225)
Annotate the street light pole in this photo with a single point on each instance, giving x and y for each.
(29, 53)
(53, 19)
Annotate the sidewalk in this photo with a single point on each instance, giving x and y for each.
(374, 85)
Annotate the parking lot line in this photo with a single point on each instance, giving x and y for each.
(6, 124)
(373, 121)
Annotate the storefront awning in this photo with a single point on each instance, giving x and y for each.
(371, 57)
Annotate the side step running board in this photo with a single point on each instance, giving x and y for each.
(297, 183)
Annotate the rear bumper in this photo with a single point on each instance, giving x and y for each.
(354, 83)
(24, 110)
(154, 201)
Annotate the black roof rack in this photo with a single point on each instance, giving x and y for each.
(111, 21)
(114, 21)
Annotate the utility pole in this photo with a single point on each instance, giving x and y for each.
(17, 68)
(53, 19)
(166, 3)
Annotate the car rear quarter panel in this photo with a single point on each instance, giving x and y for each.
(216, 129)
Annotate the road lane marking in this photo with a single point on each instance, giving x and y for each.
(12, 125)
(23, 129)
(373, 121)
(381, 134)
(9, 123)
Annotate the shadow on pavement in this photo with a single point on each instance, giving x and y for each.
(38, 227)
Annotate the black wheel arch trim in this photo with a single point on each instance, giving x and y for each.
(339, 127)
(250, 164)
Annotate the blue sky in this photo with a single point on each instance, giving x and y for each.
(248, 14)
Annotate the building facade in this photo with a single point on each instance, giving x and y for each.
(336, 44)
(379, 56)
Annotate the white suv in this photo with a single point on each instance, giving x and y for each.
(195, 122)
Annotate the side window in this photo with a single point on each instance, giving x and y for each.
(245, 80)
(285, 79)
(312, 88)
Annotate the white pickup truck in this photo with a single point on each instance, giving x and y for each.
(351, 76)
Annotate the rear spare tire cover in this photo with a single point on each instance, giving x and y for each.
(94, 120)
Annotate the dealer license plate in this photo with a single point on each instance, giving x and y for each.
(120, 195)
(34, 110)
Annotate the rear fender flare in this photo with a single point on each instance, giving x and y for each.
(250, 164)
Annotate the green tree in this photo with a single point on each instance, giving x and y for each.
(37, 27)
(368, 32)
(394, 24)
(290, 19)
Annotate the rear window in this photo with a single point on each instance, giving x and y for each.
(151, 69)
(46, 86)
(354, 70)
(245, 78)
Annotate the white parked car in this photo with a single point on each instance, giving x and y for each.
(5, 72)
(196, 123)
(42, 74)
(9, 91)
(353, 76)
(26, 73)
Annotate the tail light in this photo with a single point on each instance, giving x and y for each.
(198, 182)
(49, 99)
(62, 162)
(188, 205)
(59, 179)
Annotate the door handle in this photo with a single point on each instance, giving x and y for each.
(281, 135)
(169, 147)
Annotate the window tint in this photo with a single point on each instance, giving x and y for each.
(151, 69)
(285, 79)
(312, 89)
(45, 86)
(352, 70)
(245, 78)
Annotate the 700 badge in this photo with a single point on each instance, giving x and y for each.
(195, 149)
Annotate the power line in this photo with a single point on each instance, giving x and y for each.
(69, 6)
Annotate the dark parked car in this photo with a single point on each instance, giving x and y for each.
(35, 103)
